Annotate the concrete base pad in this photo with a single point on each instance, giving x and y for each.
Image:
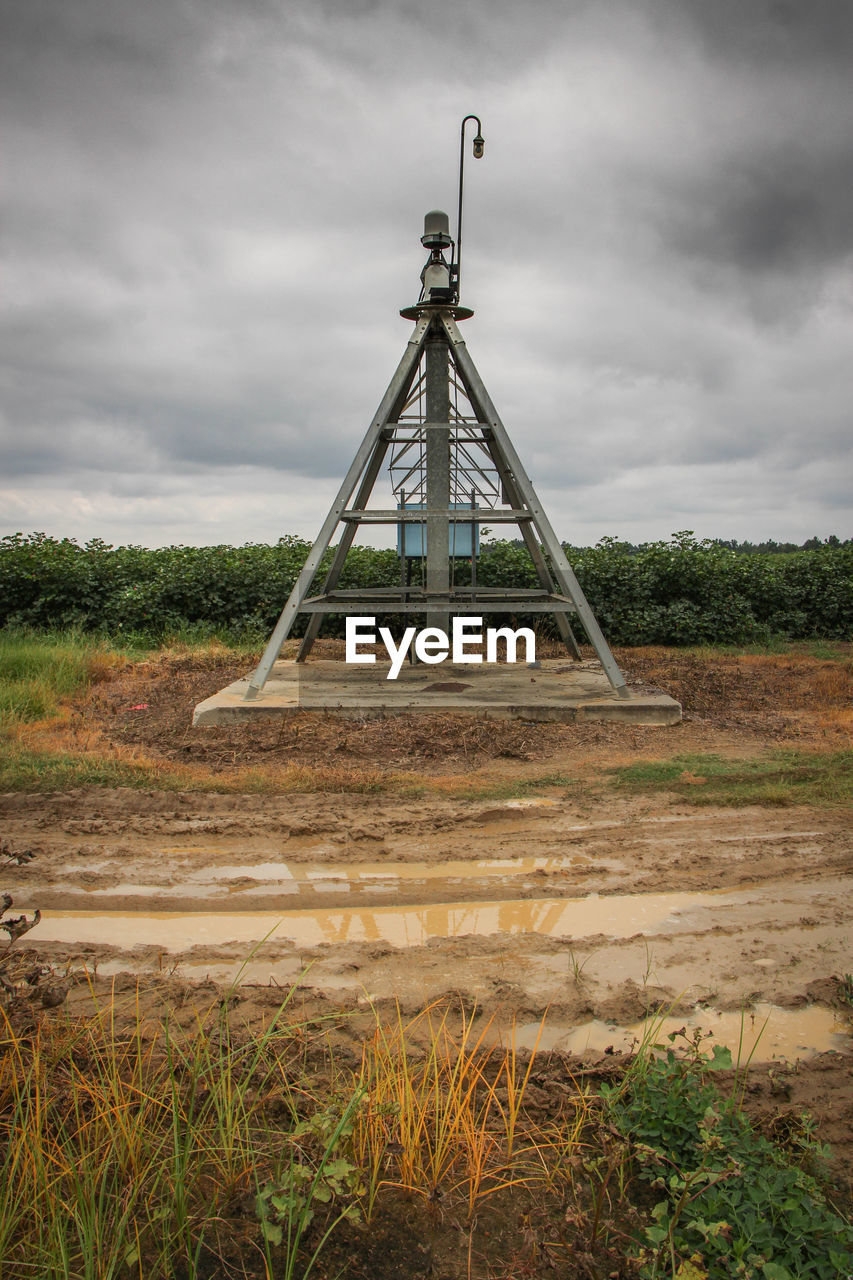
(558, 689)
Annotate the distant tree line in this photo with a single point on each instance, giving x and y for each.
(680, 591)
(771, 547)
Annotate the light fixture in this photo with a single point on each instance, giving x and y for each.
(479, 146)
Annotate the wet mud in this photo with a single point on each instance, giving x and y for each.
(596, 911)
(600, 912)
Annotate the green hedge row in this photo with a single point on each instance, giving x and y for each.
(677, 592)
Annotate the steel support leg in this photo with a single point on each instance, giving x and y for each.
(397, 388)
(563, 626)
(487, 413)
(364, 491)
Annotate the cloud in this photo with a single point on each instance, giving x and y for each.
(213, 212)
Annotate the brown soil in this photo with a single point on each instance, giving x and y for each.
(731, 703)
(767, 918)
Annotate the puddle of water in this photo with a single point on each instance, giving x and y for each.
(768, 1030)
(541, 803)
(366, 872)
(289, 879)
(181, 890)
(620, 916)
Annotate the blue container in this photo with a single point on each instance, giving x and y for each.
(464, 537)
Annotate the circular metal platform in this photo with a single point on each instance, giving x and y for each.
(433, 308)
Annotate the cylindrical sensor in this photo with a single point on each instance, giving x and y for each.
(436, 230)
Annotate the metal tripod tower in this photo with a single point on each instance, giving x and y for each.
(453, 467)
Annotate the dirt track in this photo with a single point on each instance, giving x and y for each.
(595, 907)
(481, 868)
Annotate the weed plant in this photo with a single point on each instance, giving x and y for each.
(845, 990)
(730, 1202)
(314, 1171)
(447, 1120)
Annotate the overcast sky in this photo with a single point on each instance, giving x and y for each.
(212, 217)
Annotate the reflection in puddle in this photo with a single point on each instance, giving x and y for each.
(541, 802)
(364, 878)
(283, 879)
(366, 872)
(616, 917)
(766, 1032)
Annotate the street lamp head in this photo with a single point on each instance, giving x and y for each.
(479, 148)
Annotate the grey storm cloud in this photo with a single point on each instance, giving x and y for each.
(212, 219)
(783, 32)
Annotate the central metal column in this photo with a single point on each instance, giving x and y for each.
(437, 475)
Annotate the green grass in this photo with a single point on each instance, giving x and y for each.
(23, 768)
(38, 671)
(188, 635)
(783, 778)
(461, 787)
(42, 671)
(823, 650)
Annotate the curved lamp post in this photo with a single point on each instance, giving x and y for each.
(479, 146)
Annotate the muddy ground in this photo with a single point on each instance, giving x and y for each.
(733, 704)
(594, 906)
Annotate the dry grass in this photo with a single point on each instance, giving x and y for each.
(447, 1120)
(49, 758)
(792, 680)
(129, 1153)
(122, 1153)
(59, 752)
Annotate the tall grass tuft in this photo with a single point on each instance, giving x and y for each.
(124, 1154)
(445, 1119)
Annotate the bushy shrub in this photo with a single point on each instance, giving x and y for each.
(679, 592)
(730, 1202)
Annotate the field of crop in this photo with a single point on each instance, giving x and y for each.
(325, 998)
(681, 592)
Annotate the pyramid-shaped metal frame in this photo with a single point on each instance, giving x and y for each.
(559, 592)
